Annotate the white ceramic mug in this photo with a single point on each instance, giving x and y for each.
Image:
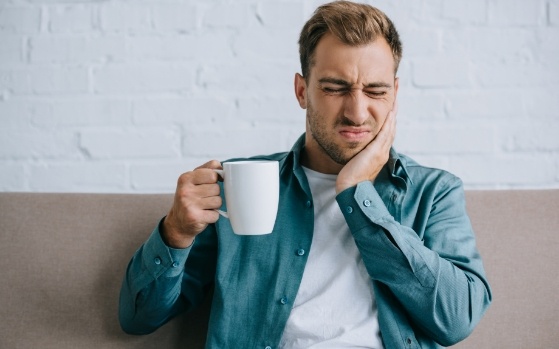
(251, 195)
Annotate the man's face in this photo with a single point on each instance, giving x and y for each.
(349, 93)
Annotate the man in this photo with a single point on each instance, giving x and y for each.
(369, 250)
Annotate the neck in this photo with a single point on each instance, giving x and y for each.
(317, 160)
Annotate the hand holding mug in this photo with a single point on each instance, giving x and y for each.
(251, 194)
(196, 201)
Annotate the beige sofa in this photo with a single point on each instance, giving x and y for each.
(63, 256)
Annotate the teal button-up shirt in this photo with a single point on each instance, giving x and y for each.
(410, 227)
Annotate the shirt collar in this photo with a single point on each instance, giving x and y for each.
(296, 151)
(396, 165)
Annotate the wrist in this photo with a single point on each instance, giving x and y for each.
(343, 186)
(172, 237)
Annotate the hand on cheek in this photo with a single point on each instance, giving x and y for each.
(366, 165)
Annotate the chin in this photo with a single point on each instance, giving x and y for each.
(343, 157)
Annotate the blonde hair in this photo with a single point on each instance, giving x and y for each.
(353, 24)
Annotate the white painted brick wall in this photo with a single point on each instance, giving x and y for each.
(123, 96)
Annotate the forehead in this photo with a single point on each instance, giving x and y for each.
(363, 63)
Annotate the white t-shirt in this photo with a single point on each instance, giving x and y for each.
(335, 306)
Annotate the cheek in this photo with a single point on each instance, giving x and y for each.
(379, 110)
(327, 108)
(320, 107)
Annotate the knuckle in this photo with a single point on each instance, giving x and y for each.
(184, 191)
(206, 175)
(214, 164)
(213, 216)
(210, 164)
(190, 215)
(184, 178)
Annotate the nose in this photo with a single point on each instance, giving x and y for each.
(356, 108)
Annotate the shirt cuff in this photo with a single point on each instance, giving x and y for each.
(161, 259)
(362, 205)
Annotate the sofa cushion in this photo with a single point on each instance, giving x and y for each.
(63, 257)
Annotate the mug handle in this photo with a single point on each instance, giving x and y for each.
(222, 174)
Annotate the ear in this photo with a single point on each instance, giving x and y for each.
(301, 90)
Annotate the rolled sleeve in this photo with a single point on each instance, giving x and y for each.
(362, 205)
(435, 273)
(160, 259)
(150, 291)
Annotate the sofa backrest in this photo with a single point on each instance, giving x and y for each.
(518, 237)
(63, 257)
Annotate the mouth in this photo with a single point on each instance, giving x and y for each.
(355, 135)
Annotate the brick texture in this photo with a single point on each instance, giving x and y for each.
(123, 96)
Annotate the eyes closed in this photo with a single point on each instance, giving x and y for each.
(333, 86)
(345, 90)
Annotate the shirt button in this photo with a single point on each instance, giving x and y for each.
(300, 252)
(157, 260)
(175, 264)
(367, 203)
(309, 204)
(268, 347)
(283, 300)
(349, 209)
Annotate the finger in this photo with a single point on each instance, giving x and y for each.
(395, 107)
(386, 132)
(206, 211)
(209, 216)
(391, 131)
(212, 164)
(390, 121)
(208, 190)
(389, 134)
(199, 176)
(391, 117)
(193, 212)
(199, 219)
(385, 138)
(210, 203)
(198, 191)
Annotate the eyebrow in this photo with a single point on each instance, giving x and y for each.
(334, 81)
(378, 84)
(342, 82)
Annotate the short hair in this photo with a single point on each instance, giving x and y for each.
(353, 24)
